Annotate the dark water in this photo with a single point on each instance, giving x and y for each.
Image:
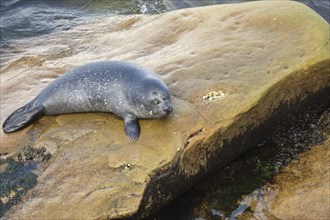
(29, 18)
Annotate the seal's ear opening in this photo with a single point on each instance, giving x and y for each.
(23, 117)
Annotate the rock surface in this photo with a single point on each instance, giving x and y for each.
(303, 187)
(266, 58)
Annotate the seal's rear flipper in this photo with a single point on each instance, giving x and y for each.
(23, 117)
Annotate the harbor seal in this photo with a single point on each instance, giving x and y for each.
(123, 88)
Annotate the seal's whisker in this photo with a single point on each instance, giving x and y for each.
(153, 119)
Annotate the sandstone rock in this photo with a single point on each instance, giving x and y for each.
(303, 187)
(266, 59)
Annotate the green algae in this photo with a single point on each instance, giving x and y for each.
(18, 175)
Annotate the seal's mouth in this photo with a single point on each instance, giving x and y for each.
(160, 110)
(167, 109)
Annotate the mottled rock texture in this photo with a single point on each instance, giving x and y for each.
(303, 187)
(266, 58)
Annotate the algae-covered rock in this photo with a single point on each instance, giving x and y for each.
(265, 59)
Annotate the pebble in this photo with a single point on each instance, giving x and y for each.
(213, 95)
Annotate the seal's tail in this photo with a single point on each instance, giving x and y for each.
(23, 116)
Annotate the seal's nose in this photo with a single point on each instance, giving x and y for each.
(168, 109)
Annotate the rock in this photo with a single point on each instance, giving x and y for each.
(268, 59)
(303, 187)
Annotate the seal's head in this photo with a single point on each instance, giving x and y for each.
(157, 100)
(159, 104)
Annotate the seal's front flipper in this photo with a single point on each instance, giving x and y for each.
(23, 117)
(132, 128)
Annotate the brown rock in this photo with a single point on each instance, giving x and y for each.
(303, 188)
(266, 58)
